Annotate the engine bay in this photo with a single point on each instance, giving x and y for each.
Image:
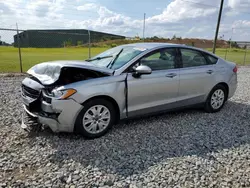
(70, 75)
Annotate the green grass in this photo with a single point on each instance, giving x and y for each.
(9, 59)
(234, 55)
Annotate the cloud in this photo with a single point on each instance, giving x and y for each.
(198, 29)
(179, 10)
(43, 8)
(40, 8)
(241, 24)
(186, 18)
(240, 5)
(87, 7)
(4, 9)
(107, 21)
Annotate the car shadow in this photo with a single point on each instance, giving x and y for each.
(133, 147)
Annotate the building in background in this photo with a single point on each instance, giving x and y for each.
(61, 38)
(243, 44)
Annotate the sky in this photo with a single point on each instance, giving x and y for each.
(164, 18)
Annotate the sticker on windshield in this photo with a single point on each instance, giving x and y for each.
(140, 49)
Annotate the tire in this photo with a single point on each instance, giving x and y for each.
(214, 102)
(92, 124)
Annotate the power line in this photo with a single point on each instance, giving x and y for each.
(135, 13)
(205, 5)
(242, 28)
(71, 11)
(65, 13)
(238, 11)
(234, 28)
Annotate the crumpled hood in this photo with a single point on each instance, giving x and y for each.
(48, 72)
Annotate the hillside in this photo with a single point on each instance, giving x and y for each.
(200, 43)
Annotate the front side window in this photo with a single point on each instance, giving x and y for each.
(192, 58)
(161, 59)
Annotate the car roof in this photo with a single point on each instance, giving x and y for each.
(151, 45)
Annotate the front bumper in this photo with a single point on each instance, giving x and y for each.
(60, 115)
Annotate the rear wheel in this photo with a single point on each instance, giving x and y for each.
(96, 118)
(216, 99)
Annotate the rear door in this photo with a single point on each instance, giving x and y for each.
(158, 90)
(197, 77)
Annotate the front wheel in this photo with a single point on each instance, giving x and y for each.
(96, 118)
(216, 99)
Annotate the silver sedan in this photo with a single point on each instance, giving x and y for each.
(131, 80)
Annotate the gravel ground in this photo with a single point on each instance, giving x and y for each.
(183, 149)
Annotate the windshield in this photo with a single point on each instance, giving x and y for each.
(126, 53)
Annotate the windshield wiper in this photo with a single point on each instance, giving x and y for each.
(113, 60)
(99, 58)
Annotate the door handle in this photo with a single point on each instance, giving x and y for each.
(171, 75)
(210, 71)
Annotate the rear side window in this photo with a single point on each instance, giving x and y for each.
(211, 59)
(192, 58)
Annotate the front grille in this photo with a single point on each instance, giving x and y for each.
(32, 93)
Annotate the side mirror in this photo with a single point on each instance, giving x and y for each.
(142, 69)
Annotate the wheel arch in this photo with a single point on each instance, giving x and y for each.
(224, 84)
(111, 100)
(226, 87)
(207, 104)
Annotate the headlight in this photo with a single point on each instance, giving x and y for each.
(63, 94)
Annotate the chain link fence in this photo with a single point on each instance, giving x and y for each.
(21, 49)
(239, 53)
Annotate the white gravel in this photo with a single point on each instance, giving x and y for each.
(183, 149)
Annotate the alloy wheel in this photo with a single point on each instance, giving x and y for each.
(217, 99)
(96, 119)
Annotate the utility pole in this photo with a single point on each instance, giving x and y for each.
(89, 44)
(144, 26)
(218, 25)
(231, 38)
(19, 49)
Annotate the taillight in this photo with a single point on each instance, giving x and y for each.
(235, 69)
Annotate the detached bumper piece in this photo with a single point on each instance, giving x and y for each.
(35, 120)
(29, 121)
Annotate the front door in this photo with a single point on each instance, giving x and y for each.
(158, 90)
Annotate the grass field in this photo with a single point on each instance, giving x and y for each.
(9, 59)
(234, 55)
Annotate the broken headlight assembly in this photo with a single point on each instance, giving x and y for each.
(63, 94)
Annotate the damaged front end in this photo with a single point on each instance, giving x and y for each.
(43, 99)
